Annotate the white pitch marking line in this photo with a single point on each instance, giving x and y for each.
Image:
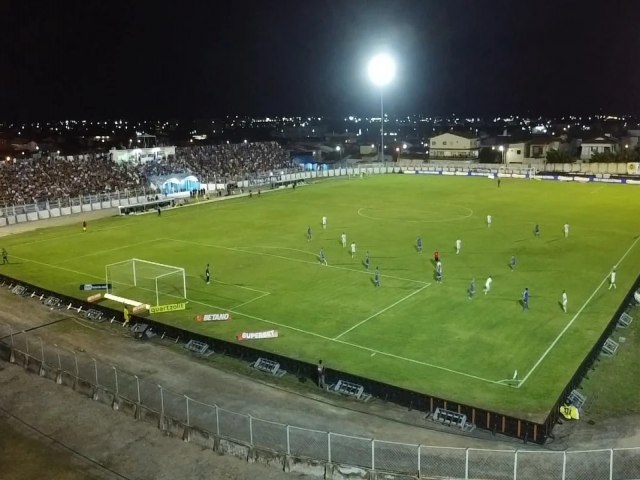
(252, 300)
(564, 330)
(411, 360)
(382, 311)
(199, 278)
(451, 219)
(240, 250)
(99, 252)
(242, 286)
(58, 267)
(361, 347)
(235, 312)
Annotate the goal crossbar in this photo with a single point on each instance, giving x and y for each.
(151, 263)
(135, 275)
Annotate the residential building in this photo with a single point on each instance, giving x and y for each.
(540, 146)
(515, 152)
(603, 144)
(454, 145)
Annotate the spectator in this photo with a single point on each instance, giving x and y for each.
(53, 178)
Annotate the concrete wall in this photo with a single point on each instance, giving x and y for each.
(589, 168)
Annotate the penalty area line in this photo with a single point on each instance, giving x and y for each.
(382, 311)
(419, 362)
(568, 325)
(99, 252)
(298, 260)
(355, 345)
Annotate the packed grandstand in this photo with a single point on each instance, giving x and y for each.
(47, 178)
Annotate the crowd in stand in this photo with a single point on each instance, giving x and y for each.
(49, 178)
(233, 160)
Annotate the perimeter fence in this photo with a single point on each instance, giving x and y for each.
(123, 389)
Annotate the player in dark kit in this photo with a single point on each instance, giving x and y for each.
(207, 274)
(84, 226)
(436, 256)
(5, 256)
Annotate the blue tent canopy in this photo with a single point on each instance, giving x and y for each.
(178, 182)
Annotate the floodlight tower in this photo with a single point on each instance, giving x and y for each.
(381, 69)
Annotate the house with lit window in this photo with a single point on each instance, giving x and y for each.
(540, 146)
(603, 144)
(454, 145)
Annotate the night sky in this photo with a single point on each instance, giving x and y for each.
(168, 59)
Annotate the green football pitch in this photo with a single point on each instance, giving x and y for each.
(412, 331)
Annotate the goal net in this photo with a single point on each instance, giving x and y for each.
(146, 282)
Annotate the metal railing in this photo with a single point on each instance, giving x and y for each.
(334, 448)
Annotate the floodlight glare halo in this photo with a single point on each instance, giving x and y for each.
(381, 69)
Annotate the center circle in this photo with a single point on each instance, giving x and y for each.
(438, 212)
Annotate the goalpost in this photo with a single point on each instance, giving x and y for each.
(150, 282)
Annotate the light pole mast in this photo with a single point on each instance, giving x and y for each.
(381, 128)
(382, 69)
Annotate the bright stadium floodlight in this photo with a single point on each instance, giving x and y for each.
(381, 70)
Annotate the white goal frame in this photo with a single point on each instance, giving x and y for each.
(173, 270)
